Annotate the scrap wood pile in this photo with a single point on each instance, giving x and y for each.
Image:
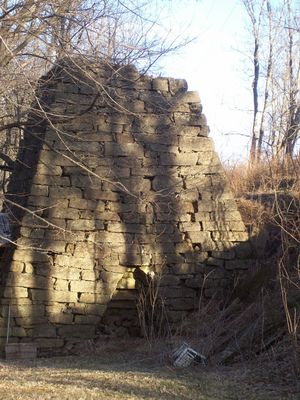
(246, 327)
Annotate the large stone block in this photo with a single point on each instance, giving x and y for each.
(28, 310)
(89, 275)
(167, 184)
(39, 190)
(160, 84)
(44, 331)
(83, 181)
(99, 194)
(15, 292)
(84, 225)
(51, 181)
(87, 319)
(95, 298)
(26, 281)
(181, 159)
(77, 331)
(17, 266)
(48, 157)
(196, 144)
(125, 228)
(83, 286)
(48, 169)
(63, 213)
(86, 205)
(60, 192)
(95, 309)
(128, 149)
(53, 296)
(60, 318)
(49, 343)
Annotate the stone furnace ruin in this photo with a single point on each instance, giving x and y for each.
(115, 177)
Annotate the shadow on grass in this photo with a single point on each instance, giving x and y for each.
(120, 381)
(114, 378)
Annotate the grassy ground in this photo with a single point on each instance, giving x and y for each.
(132, 375)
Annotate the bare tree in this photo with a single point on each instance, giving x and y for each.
(256, 22)
(275, 85)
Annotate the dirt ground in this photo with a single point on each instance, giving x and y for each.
(126, 370)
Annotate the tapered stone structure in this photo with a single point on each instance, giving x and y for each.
(116, 175)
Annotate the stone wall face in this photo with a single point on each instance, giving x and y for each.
(121, 177)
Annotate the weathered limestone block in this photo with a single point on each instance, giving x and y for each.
(114, 149)
(160, 84)
(94, 309)
(42, 201)
(87, 319)
(99, 194)
(60, 192)
(112, 278)
(60, 284)
(26, 281)
(84, 225)
(112, 172)
(83, 181)
(46, 169)
(184, 269)
(86, 205)
(78, 146)
(29, 310)
(195, 144)
(44, 331)
(50, 158)
(15, 292)
(28, 322)
(47, 343)
(181, 159)
(81, 331)
(88, 286)
(51, 180)
(19, 332)
(95, 298)
(230, 236)
(127, 283)
(224, 255)
(89, 275)
(59, 212)
(39, 190)
(167, 184)
(53, 295)
(177, 85)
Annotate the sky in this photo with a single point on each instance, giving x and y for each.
(215, 64)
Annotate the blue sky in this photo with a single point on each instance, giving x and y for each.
(216, 66)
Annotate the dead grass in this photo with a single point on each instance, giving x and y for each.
(117, 373)
(268, 195)
(265, 177)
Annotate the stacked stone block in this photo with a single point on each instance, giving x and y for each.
(116, 173)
